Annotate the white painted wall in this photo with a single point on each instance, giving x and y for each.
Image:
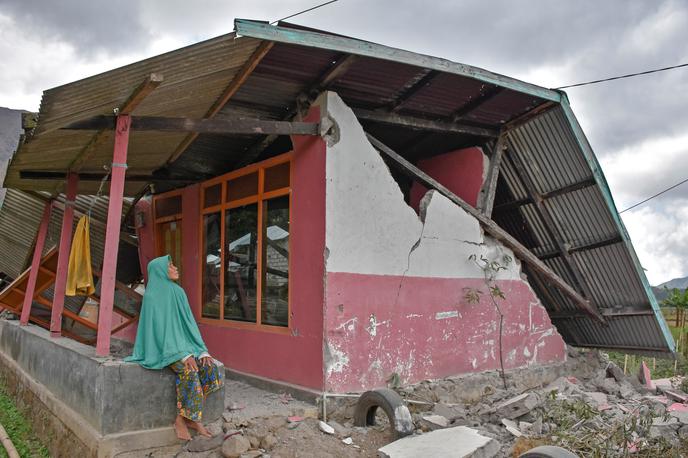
(371, 230)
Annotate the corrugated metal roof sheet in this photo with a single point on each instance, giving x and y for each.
(558, 156)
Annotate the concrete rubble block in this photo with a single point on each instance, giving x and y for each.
(627, 391)
(595, 398)
(324, 427)
(348, 441)
(615, 372)
(562, 385)
(449, 411)
(512, 427)
(518, 406)
(683, 432)
(203, 444)
(664, 428)
(433, 422)
(457, 442)
(340, 430)
(645, 377)
(235, 446)
(268, 442)
(676, 395)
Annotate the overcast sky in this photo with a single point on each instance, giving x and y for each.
(638, 127)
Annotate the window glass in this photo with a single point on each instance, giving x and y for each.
(170, 236)
(168, 206)
(243, 186)
(275, 294)
(212, 195)
(241, 277)
(277, 177)
(211, 266)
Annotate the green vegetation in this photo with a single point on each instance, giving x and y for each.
(18, 428)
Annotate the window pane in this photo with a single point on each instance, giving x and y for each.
(212, 195)
(277, 177)
(241, 277)
(275, 298)
(170, 234)
(168, 206)
(211, 266)
(243, 186)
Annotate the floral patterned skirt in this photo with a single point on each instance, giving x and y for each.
(193, 387)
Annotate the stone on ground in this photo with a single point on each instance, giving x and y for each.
(324, 427)
(433, 422)
(235, 446)
(518, 406)
(203, 444)
(457, 442)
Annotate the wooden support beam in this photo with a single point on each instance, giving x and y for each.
(63, 256)
(488, 225)
(476, 102)
(240, 126)
(564, 315)
(98, 176)
(423, 123)
(530, 115)
(35, 264)
(231, 89)
(489, 188)
(305, 98)
(412, 90)
(114, 220)
(548, 195)
(520, 164)
(129, 105)
(589, 246)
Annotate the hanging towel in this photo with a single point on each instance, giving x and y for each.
(80, 275)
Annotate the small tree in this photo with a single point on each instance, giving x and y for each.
(679, 300)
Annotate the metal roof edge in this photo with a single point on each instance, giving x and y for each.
(592, 161)
(263, 31)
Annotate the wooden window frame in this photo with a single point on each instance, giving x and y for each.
(259, 198)
(165, 219)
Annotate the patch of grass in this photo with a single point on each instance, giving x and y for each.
(18, 428)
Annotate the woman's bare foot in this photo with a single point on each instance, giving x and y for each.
(198, 427)
(181, 429)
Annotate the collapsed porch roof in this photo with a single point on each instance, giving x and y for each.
(416, 104)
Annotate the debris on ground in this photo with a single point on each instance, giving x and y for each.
(590, 410)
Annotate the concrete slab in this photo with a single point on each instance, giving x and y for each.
(458, 442)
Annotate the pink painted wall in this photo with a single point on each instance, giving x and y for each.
(296, 357)
(423, 328)
(461, 171)
(191, 220)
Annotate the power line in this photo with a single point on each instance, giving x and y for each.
(647, 72)
(304, 11)
(652, 197)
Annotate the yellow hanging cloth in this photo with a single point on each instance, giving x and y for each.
(80, 275)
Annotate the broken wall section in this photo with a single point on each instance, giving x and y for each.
(397, 285)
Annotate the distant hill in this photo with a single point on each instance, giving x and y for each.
(10, 130)
(663, 290)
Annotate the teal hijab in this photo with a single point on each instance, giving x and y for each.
(167, 330)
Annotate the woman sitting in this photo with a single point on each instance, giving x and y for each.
(168, 336)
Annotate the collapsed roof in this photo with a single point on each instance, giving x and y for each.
(551, 193)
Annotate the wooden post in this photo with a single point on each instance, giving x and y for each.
(63, 256)
(625, 363)
(487, 193)
(35, 264)
(107, 284)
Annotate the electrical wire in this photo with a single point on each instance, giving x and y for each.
(629, 75)
(304, 11)
(656, 195)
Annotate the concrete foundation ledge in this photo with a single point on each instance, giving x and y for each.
(87, 406)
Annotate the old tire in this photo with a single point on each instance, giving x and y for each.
(548, 451)
(391, 403)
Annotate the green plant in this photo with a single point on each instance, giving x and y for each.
(491, 269)
(18, 428)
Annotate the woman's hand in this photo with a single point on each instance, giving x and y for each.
(207, 361)
(190, 364)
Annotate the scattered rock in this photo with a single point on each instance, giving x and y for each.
(324, 427)
(203, 444)
(615, 372)
(512, 427)
(253, 440)
(273, 423)
(595, 398)
(215, 428)
(340, 431)
(252, 454)
(676, 395)
(307, 412)
(517, 406)
(644, 376)
(235, 446)
(348, 441)
(226, 416)
(433, 422)
(450, 411)
(268, 442)
(459, 441)
(683, 432)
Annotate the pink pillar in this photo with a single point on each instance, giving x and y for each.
(107, 283)
(35, 264)
(63, 256)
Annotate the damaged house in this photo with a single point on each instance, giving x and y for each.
(342, 212)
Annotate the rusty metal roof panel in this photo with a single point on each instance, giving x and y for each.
(558, 160)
